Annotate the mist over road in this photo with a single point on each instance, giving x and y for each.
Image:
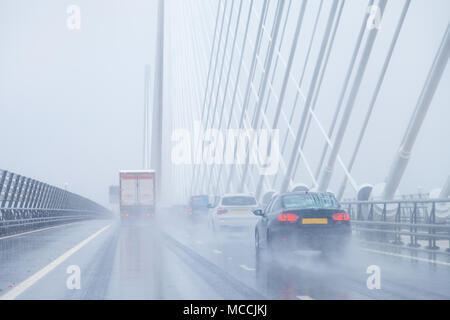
(172, 259)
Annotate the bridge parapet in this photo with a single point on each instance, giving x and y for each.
(26, 203)
(420, 222)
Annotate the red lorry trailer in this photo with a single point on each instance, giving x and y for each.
(137, 194)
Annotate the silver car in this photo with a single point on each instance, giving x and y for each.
(234, 212)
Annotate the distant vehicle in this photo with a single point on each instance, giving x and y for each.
(180, 209)
(137, 194)
(303, 220)
(199, 206)
(234, 212)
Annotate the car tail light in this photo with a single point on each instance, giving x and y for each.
(288, 217)
(341, 216)
(221, 211)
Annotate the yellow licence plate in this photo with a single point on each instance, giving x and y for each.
(239, 211)
(315, 221)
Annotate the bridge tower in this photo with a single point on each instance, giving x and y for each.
(156, 148)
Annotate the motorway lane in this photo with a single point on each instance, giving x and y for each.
(122, 262)
(308, 274)
(23, 255)
(177, 260)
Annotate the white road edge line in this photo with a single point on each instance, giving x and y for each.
(408, 257)
(216, 251)
(19, 289)
(38, 230)
(243, 266)
(304, 298)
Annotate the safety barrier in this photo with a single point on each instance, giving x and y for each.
(393, 221)
(27, 204)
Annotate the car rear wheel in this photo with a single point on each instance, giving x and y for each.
(257, 243)
(261, 250)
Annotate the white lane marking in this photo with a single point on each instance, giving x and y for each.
(217, 251)
(243, 266)
(305, 298)
(408, 257)
(38, 230)
(16, 291)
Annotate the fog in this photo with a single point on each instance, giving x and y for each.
(71, 101)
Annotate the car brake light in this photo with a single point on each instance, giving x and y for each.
(288, 217)
(341, 216)
(221, 211)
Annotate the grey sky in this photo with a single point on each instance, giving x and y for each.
(71, 102)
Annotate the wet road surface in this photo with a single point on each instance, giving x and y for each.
(174, 259)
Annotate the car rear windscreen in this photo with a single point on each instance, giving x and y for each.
(239, 201)
(310, 200)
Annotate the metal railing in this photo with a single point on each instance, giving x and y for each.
(394, 221)
(27, 204)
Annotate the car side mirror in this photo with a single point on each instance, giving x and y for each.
(258, 213)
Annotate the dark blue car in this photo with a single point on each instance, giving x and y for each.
(303, 220)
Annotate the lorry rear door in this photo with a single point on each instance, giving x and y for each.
(128, 190)
(146, 189)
